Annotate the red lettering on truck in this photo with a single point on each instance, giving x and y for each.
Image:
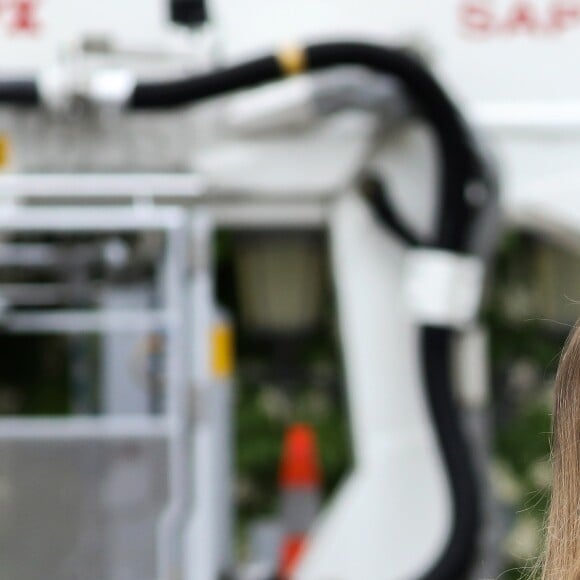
(522, 17)
(476, 17)
(565, 16)
(486, 18)
(19, 16)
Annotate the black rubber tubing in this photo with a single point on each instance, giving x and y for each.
(377, 195)
(20, 93)
(460, 164)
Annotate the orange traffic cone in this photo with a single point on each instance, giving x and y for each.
(300, 482)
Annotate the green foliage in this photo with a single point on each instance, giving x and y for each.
(33, 380)
(524, 355)
(525, 441)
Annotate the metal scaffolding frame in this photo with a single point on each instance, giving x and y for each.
(175, 422)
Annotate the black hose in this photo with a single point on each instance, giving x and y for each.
(19, 93)
(190, 90)
(457, 559)
(376, 194)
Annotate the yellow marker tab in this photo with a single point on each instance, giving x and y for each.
(4, 151)
(292, 60)
(222, 363)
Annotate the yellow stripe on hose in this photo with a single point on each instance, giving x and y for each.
(292, 60)
(4, 151)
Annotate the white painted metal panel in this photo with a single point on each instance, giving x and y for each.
(80, 508)
(34, 32)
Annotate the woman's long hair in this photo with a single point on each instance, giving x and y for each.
(562, 556)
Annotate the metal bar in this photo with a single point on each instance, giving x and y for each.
(267, 214)
(47, 294)
(228, 208)
(119, 427)
(44, 255)
(29, 255)
(102, 185)
(202, 549)
(88, 219)
(79, 321)
(148, 189)
(243, 213)
(145, 186)
(171, 528)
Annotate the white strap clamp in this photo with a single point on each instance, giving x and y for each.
(443, 288)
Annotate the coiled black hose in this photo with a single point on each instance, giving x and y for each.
(460, 166)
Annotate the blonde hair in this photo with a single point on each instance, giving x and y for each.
(562, 554)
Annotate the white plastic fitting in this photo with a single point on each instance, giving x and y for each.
(443, 288)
